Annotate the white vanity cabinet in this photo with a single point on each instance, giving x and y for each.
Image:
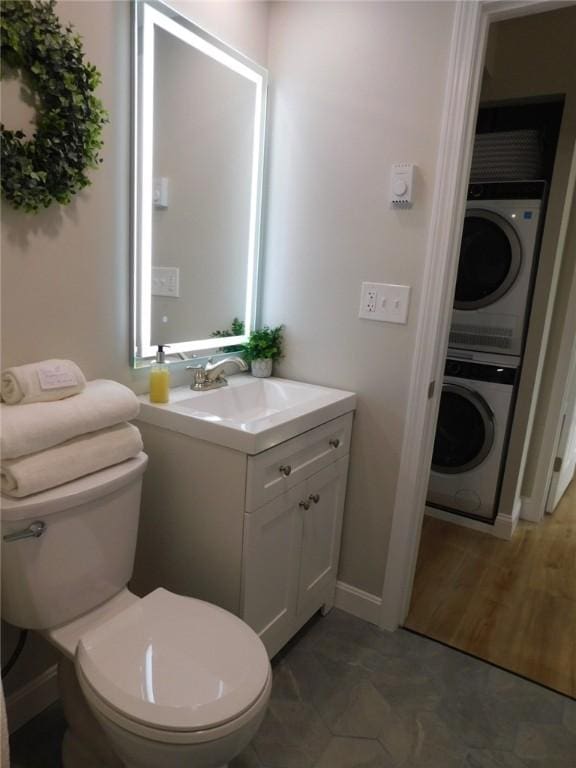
(257, 534)
(291, 548)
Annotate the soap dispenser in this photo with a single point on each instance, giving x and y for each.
(160, 378)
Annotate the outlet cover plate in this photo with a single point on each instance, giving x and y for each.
(385, 302)
(166, 282)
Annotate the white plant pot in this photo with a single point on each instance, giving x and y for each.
(262, 368)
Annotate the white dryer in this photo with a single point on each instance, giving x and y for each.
(498, 254)
(472, 433)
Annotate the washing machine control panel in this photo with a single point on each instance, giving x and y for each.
(465, 369)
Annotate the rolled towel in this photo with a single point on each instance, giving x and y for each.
(37, 426)
(69, 461)
(41, 382)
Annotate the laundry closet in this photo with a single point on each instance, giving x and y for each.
(494, 368)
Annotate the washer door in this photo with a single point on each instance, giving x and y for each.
(465, 430)
(490, 259)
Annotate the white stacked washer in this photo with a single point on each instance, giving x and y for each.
(471, 434)
(496, 271)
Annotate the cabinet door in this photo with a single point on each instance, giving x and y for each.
(270, 569)
(321, 530)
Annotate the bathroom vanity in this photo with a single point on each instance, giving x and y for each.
(243, 499)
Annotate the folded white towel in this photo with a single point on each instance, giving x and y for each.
(37, 426)
(68, 461)
(41, 382)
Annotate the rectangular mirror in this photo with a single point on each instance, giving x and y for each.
(197, 187)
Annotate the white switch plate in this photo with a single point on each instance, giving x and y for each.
(166, 282)
(160, 192)
(384, 302)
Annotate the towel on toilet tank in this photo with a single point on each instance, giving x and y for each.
(41, 382)
(69, 461)
(36, 426)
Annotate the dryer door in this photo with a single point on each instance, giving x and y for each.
(490, 260)
(465, 430)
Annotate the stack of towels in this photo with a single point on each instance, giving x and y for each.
(57, 427)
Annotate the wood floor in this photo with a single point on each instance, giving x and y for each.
(512, 603)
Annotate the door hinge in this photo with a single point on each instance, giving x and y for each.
(431, 388)
(557, 464)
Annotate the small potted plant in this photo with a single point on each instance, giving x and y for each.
(262, 348)
(236, 329)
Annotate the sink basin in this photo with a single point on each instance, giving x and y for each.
(250, 414)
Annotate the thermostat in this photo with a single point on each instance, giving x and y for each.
(401, 180)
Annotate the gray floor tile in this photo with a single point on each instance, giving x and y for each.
(488, 758)
(346, 695)
(292, 735)
(248, 759)
(539, 742)
(38, 744)
(354, 753)
(569, 716)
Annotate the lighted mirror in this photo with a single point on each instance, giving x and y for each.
(198, 162)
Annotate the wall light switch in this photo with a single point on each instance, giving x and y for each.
(160, 192)
(166, 282)
(384, 302)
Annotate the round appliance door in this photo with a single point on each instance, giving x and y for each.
(490, 259)
(465, 430)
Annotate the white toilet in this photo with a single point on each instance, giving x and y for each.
(172, 682)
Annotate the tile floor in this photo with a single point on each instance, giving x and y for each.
(346, 695)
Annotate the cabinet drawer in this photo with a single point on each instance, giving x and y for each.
(277, 470)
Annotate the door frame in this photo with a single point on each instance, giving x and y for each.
(463, 83)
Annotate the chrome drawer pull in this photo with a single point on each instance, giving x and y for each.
(334, 443)
(304, 504)
(286, 469)
(34, 531)
(315, 497)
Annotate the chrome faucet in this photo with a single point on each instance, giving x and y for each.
(210, 376)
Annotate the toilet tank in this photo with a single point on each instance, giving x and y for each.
(86, 553)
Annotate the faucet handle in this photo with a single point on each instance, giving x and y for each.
(198, 374)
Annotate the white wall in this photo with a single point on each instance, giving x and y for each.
(65, 271)
(354, 87)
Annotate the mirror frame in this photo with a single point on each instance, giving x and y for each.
(146, 15)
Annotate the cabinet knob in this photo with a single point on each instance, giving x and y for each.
(334, 443)
(315, 497)
(285, 469)
(304, 504)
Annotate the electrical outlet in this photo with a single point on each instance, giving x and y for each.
(368, 299)
(385, 302)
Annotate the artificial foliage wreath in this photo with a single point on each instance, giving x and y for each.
(52, 165)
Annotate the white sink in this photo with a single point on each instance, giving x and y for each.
(250, 414)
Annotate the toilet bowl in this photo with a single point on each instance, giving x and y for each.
(163, 681)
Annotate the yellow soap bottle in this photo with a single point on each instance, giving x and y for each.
(160, 378)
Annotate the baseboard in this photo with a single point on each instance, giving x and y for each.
(362, 604)
(505, 525)
(32, 698)
(529, 511)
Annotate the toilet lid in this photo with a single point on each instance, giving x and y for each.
(175, 662)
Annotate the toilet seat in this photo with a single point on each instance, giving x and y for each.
(174, 668)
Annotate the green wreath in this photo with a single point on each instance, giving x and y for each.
(52, 165)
